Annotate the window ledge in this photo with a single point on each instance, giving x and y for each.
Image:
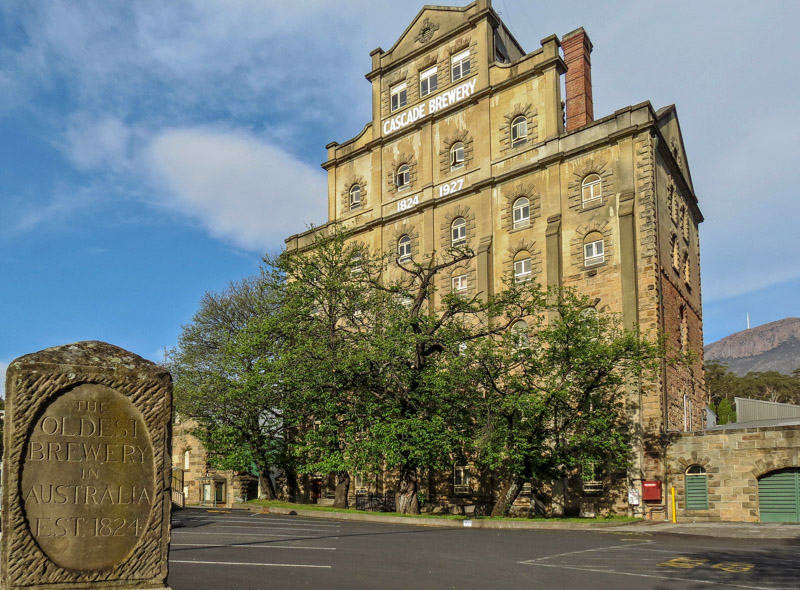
(593, 204)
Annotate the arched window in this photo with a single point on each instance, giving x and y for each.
(683, 334)
(404, 248)
(458, 231)
(591, 189)
(403, 179)
(522, 267)
(687, 269)
(593, 249)
(355, 197)
(456, 155)
(673, 244)
(187, 459)
(696, 487)
(519, 131)
(519, 332)
(521, 213)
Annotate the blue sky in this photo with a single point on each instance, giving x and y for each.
(151, 151)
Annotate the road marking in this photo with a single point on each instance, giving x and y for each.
(685, 563)
(249, 563)
(282, 528)
(734, 566)
(189, 532)
(250, 546)
(270, 520)
(670, 578)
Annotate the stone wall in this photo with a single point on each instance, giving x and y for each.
(734, 460)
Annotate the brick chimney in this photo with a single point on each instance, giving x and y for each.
(580, 109)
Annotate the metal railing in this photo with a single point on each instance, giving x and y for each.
(375, 502)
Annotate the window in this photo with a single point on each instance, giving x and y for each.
(522, 270)
(360, 482)
(461, 479)
(521, 213)
(459, 284)
(675, 255)
(593, 250)
(696, 487)
(399, 96)
(403, 179)
(355, 264)
(685, 223)
(591, 189)
(355, 197)
(683, 334)
(428, 81)
(590, 476)
(186, 459)
(459, 65)
(687, 269)
(519, 333)
(404, 248)
(459, 231)
(519, 131)
(457, 155)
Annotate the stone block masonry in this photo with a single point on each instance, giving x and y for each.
(86, 497)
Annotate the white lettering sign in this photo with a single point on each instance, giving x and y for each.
(436, 103)
(451, 187)
(405, 204)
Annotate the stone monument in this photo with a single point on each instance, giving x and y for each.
(86, 487)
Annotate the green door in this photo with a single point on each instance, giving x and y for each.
(779, 496)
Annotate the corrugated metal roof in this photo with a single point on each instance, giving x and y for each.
(749, 410)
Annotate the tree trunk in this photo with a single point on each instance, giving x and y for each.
(508, 494)
(406, 501)
(342, 489)
(292, 486)
(265, 482)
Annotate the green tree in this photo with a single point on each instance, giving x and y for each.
(554, 391)
(226, 377)
(421, 391)
(327, 315)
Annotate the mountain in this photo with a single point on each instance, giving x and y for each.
(771, 347)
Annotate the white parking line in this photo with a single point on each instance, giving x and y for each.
(249, 563)
(285, 522)
(272, 527)
(184, 532)
(250, 546)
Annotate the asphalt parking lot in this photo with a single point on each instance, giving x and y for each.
(216, 550)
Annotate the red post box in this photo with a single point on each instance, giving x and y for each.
(651, 490)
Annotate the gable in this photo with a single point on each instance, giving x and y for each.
(671, 131)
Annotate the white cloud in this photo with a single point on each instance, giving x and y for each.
(241, 188)
(59, 208)
(98, 142)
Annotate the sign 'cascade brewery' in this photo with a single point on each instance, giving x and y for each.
(86, 493)
(442, 100)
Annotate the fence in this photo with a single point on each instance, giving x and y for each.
(375, 502)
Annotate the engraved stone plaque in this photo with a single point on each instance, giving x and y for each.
(86, 497)
(87, 478)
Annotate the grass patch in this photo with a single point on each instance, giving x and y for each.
(314, 507)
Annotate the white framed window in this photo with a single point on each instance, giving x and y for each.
(399, 95)
(355, 197)
(404, 248)
(458, 284)
(428, 81)
(591, 189)
(459, 65)
(360, 482)
(461, 479)
(456, 155)
(187, 457)
(458, 231)
(590, 476)
(355, 264)
(593, 253)
(519, 331)
(519, 130)
(403, 179)
(522, 270)
(521, 212)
